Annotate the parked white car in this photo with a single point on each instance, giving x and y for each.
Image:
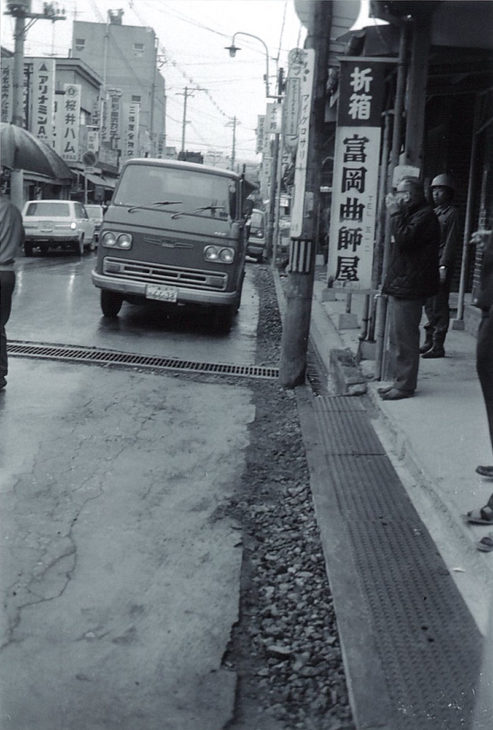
(56, 224)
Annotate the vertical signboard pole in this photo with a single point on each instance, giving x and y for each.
(356, 168)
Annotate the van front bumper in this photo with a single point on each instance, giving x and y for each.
(184, 294)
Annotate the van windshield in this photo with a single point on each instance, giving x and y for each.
(147, 185)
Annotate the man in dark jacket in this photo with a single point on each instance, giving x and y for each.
(11, 238)
(437, 307)
(412, 276)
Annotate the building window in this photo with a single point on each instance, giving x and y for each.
(138, 49)
(80, 44)
(136, 99)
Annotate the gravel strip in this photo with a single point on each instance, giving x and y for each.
(285, 647)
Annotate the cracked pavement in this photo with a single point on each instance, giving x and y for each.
(119, 584)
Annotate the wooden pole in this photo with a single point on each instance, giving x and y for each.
(299, 292)
(416, 92)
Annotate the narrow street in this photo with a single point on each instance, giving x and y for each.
(146, 519)
(120, 588)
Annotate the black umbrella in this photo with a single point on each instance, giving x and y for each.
(21, 150)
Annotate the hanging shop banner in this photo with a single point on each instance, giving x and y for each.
(269, 127)
(260, 132)
(132, 130)
(292, 98)
(6, 89)
(71, 123)
(112, 110)
(355, 181)
(92, 139)
(43, 90)
(307, 59)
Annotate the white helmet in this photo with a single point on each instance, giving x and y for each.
(443, 181)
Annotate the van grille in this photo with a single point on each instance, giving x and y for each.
(161, 274)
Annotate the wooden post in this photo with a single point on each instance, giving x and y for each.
(416, 92)
(301, 268)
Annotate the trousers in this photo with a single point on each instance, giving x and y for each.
(438, 314)
(405, 317)
(484, 364)
(7, 284)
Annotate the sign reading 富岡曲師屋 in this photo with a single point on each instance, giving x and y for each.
(355, 179)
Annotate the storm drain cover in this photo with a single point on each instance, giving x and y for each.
(98, 356)
(427, 642)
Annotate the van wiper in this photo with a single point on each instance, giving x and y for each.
(198, 210)
(158, 202)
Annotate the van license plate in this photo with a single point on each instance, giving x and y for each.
(162, 293)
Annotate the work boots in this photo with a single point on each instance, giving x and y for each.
(436, 349)
(428, 343)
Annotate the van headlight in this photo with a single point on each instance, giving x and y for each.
(220, 254)
(113, 240)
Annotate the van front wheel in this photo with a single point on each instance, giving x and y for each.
(110, 303)
(223, 318)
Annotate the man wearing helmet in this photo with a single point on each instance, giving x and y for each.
(437, 307)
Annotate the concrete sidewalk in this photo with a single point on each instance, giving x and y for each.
(434, 440)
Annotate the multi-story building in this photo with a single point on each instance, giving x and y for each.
(132, 114)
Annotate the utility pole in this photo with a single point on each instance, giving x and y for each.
(232, 123)
(21, 10)
(301, 268)
(233, 148)
(185, 93)
(270, 233)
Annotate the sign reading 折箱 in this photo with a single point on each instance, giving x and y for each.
(355, 180)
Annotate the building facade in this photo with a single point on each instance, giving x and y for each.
(131, 117)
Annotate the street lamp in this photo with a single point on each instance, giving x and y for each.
(232, 52)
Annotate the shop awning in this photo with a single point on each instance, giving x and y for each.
(104, 182)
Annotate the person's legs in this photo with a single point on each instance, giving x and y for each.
(441, 319)
(406, 318)
(484, 365)
(429, 327)
(7, 283)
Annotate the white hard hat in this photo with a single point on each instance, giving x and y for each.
(444, 181)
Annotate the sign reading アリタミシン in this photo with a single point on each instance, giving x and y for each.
(355, 180)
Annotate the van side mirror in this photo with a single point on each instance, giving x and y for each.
(232, 204)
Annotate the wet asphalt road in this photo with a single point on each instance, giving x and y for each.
(119, 572)
(56, 302)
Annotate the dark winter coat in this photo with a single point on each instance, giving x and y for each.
(485, 297)
(413, 270)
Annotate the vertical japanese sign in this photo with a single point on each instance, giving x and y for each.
(6, 89)
(292, 99)
(355, 180)
(306, 61)
(71, 122)
(260, 132)
(132, 134)
(269, 128)
(93, 140)
(43, 86)
(112, 117)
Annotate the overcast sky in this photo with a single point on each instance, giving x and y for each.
(192, 35)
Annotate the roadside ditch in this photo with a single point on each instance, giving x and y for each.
(285, 647)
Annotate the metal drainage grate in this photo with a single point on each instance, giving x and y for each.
(113, 357)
